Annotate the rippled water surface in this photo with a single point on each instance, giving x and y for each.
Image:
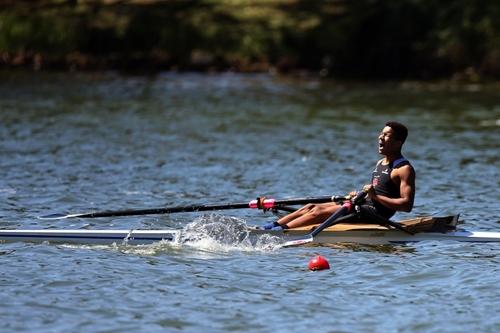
(81, 142)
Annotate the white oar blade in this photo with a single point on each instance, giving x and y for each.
(58, 216)
(298, 242)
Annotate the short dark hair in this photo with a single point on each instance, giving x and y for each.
(400, 130)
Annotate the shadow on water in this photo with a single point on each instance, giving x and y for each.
(384, 248)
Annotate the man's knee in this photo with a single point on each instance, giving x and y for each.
(309, 207)
(316, 210)
(321, 210)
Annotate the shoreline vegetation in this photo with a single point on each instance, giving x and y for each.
(364, 39)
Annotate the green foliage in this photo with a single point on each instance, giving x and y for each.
(362, 38)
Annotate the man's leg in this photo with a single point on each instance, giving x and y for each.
(309, 214)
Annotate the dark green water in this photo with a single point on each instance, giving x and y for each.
(73, 143)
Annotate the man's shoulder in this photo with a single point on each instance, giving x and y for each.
(406, 166)
(400, 162)
(405, 170)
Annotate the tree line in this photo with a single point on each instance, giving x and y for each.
(421, 39)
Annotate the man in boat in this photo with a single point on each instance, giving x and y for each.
(392, 187)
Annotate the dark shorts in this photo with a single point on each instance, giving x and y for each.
(378, 209)
(370, 208)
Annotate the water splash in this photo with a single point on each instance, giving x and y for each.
(225, 233)
(210, 234)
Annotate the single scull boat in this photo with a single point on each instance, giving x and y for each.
(417, 229)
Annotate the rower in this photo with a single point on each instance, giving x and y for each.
(392, 187)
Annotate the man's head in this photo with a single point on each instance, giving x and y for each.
(391, 138)
(399, 130)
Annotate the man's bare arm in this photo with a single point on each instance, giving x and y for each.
(406, 175)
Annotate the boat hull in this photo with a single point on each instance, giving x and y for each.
(102, 237)
(140, 237)
(388, 236)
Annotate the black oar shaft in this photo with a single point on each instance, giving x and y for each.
(335, 218)
(166, 210)
(200, 208)
(384, 221)
(343, 210)
(262, 204)
(328, 222)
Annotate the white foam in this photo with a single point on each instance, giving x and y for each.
(224, 234)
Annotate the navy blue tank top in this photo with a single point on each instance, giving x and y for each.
(383, 184)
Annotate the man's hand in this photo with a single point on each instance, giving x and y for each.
(369, 191)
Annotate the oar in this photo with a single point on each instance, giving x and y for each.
(332, 220)
(383, 221)
(261, 204)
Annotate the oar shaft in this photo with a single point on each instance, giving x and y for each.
(166, 210)
(266, 203)
(335, 218)
(343, 210)
(262, 204)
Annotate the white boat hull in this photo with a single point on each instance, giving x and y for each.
(379, 237)
(139, 237)
(77, 236)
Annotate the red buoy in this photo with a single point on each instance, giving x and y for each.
(318, 263)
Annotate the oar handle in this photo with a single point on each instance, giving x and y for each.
(272, 203)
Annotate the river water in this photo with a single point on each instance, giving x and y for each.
(80, 142)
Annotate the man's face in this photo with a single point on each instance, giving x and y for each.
(387, 144)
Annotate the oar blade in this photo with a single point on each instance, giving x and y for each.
(298, 242)
(58, 216)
